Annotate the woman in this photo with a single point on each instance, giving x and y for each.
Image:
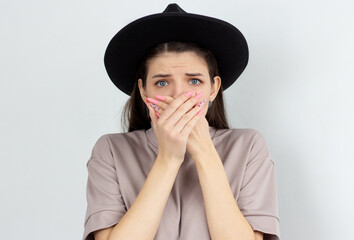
(179, 172)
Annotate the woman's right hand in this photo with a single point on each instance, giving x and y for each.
(174, 125)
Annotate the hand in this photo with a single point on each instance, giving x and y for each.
(173, 126)
(199, 140)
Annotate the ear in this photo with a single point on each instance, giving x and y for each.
(215, 88)
(141, 89)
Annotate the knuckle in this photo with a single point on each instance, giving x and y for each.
(183, 108)
(196, 109)
(185, 117)
(194, 100)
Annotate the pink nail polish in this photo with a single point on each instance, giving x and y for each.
(201, 103)
(159, 97)
(154, 106)
(198, 95)
(157, 114)
(152, 100)
(200, 112)
(189, 93)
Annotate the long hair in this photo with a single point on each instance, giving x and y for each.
(135, 111)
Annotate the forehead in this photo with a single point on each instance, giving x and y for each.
(172, 60)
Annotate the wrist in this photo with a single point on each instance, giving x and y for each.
(208, 150)
(169, 161)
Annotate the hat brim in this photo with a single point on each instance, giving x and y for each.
(128, 47)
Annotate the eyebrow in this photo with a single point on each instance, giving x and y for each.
(169, 75)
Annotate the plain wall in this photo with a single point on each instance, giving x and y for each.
(56, 100)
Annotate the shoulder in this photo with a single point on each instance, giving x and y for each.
(107, 144)
(247, 134)
(243, 139)
(114, 138)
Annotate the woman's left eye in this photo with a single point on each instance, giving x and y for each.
(195, 81)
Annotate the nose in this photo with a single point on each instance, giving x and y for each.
(180, 88)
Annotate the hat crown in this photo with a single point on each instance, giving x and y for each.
(173, 7)
(128, 47)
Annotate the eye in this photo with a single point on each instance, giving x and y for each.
(161, 83)
(195, 81)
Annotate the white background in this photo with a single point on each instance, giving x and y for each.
(57, 100)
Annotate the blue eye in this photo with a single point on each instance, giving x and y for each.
(195, 81)
(158, 83)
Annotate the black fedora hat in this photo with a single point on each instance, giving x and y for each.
(128, 47)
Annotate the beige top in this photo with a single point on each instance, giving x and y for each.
(120, 163)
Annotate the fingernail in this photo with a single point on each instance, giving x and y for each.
(159, 97)
(154, 106)
(198, 95)
(189, 93)
(200, 112)
(201, 103)
(152, 100)
(157, 114)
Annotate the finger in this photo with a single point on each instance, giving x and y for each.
(152, 114)
(175, 104)
(183, 109)
(191, 124)
(198, 109)
(160, 102)
(156, 104)
(166, 99)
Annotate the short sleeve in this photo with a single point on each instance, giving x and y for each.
(258, 199)
(105, 206)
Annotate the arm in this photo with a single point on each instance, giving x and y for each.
(142, 219)
(172, 128)
(103, 234)
(225, 220)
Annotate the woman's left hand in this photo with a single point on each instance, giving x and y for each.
(199, 140)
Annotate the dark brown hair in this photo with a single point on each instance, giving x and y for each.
(135, 110)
